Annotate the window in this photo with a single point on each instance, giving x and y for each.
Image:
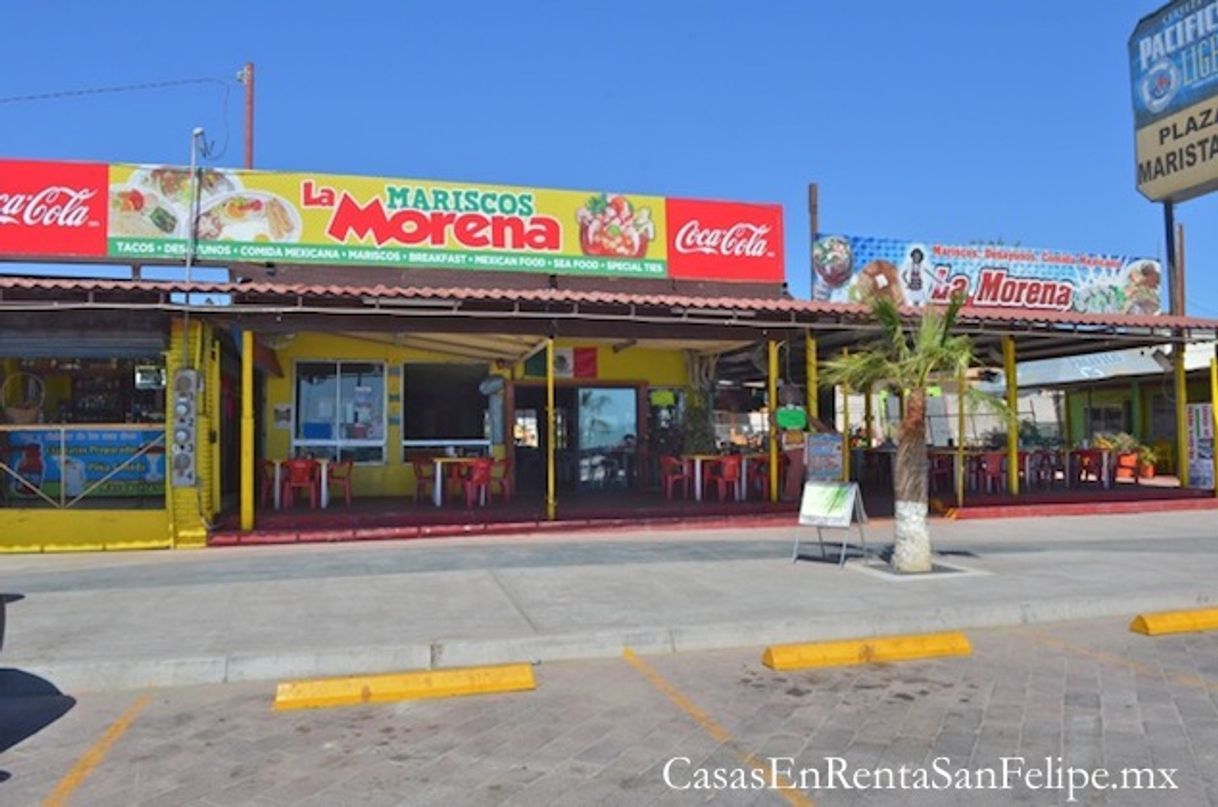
(1107, 419)
(340, 410)
(450, 405)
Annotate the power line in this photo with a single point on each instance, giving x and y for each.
(150, 85)
(208, 148)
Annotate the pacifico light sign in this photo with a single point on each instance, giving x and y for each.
(1173, 60)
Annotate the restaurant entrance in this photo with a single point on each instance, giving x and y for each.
(596, 438)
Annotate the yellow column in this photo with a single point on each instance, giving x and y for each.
(961, 391)
(247, 430)
(845, 431)
(772, 403)
(868, 417)
(811, 371)
(551, 433)
(1214, 414)
(1181, 413)
(1009, 371)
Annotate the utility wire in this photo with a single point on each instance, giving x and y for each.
(209, 151)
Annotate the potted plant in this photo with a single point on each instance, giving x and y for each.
(1146, 462)
(1125, 447)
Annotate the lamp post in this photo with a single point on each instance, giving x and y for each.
(192, 224)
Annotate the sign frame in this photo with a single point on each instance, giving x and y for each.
(847, 510)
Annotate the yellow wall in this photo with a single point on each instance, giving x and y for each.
(393, 478)
(75, 529)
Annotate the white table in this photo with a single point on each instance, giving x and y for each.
(277, 493)
(741, 481)
(437, 492)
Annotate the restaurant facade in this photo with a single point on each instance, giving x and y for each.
(460, 353)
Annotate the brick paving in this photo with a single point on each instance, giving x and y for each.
(598, 732)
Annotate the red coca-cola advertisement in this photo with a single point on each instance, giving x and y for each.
(724, 241)
(53, 208)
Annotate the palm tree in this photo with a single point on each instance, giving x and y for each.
(910, 356)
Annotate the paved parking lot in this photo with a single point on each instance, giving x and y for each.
(602, 731)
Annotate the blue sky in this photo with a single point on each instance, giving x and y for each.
(936, 120)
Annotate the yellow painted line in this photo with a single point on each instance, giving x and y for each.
(865, 651)
(1183, 679)
(714, 730)
(91, 758)
(323, 692)
(1161, 622)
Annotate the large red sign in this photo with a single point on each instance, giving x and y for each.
(52, 208)
(724, 241)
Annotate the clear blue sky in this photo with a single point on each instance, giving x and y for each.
(936, 120)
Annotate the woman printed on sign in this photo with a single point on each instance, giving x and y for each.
(915, 276)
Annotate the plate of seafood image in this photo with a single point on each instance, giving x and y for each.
(173, 184)
(612, 227)
(252, 216)
(143, 213)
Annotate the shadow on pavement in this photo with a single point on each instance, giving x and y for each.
(28, 704)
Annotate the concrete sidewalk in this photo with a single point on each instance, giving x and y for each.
(124, 620)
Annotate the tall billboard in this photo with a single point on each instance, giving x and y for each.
(854, 269)
(140, 214)
(1173, 68)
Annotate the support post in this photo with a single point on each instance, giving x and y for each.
(1181, 380)
(961, 391)
(845, 431)
(247, 79)
(1012, 381)
(868, 417)
(551, 433)
(1214, 417)
(247, 430)
(811, 372)
(772, 403)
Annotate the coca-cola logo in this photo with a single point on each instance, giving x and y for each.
(739, 240)
(53, 206)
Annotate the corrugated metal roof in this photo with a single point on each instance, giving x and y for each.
(246, 291)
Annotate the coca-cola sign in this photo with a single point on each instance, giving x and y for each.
(725, 241)
(56, 209)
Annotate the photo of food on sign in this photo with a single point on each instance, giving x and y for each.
(143, 214)
(252, 216)
(855, 269)
(174, 184)
(610, 226)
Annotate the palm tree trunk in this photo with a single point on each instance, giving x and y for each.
(911, 550)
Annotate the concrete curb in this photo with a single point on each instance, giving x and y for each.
(91, 675)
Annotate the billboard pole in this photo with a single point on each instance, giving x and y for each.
(813, 228)
(1169, 229)
(246, 77)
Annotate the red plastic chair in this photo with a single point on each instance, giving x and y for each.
(266, 479)
(991, 475)
(478, 481)
(942, 472)
(424, 478)
(759, 477)
(1089, 461)
(301, 475)
(504, 480)
(674, 471)
(339, 474)
(727, 475)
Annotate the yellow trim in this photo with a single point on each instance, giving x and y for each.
(772, 401)
(247, 430)
(811, 370)
(1159, 623)
(1181, 380)
(866, 651)
(356, 689)
(96, 753)
(551, 433)
(1010, 372)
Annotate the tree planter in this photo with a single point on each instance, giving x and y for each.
(1146, 470)
(1127, 465)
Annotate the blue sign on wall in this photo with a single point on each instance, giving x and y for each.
(91, 454)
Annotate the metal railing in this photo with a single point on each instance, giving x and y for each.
(26, 451)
